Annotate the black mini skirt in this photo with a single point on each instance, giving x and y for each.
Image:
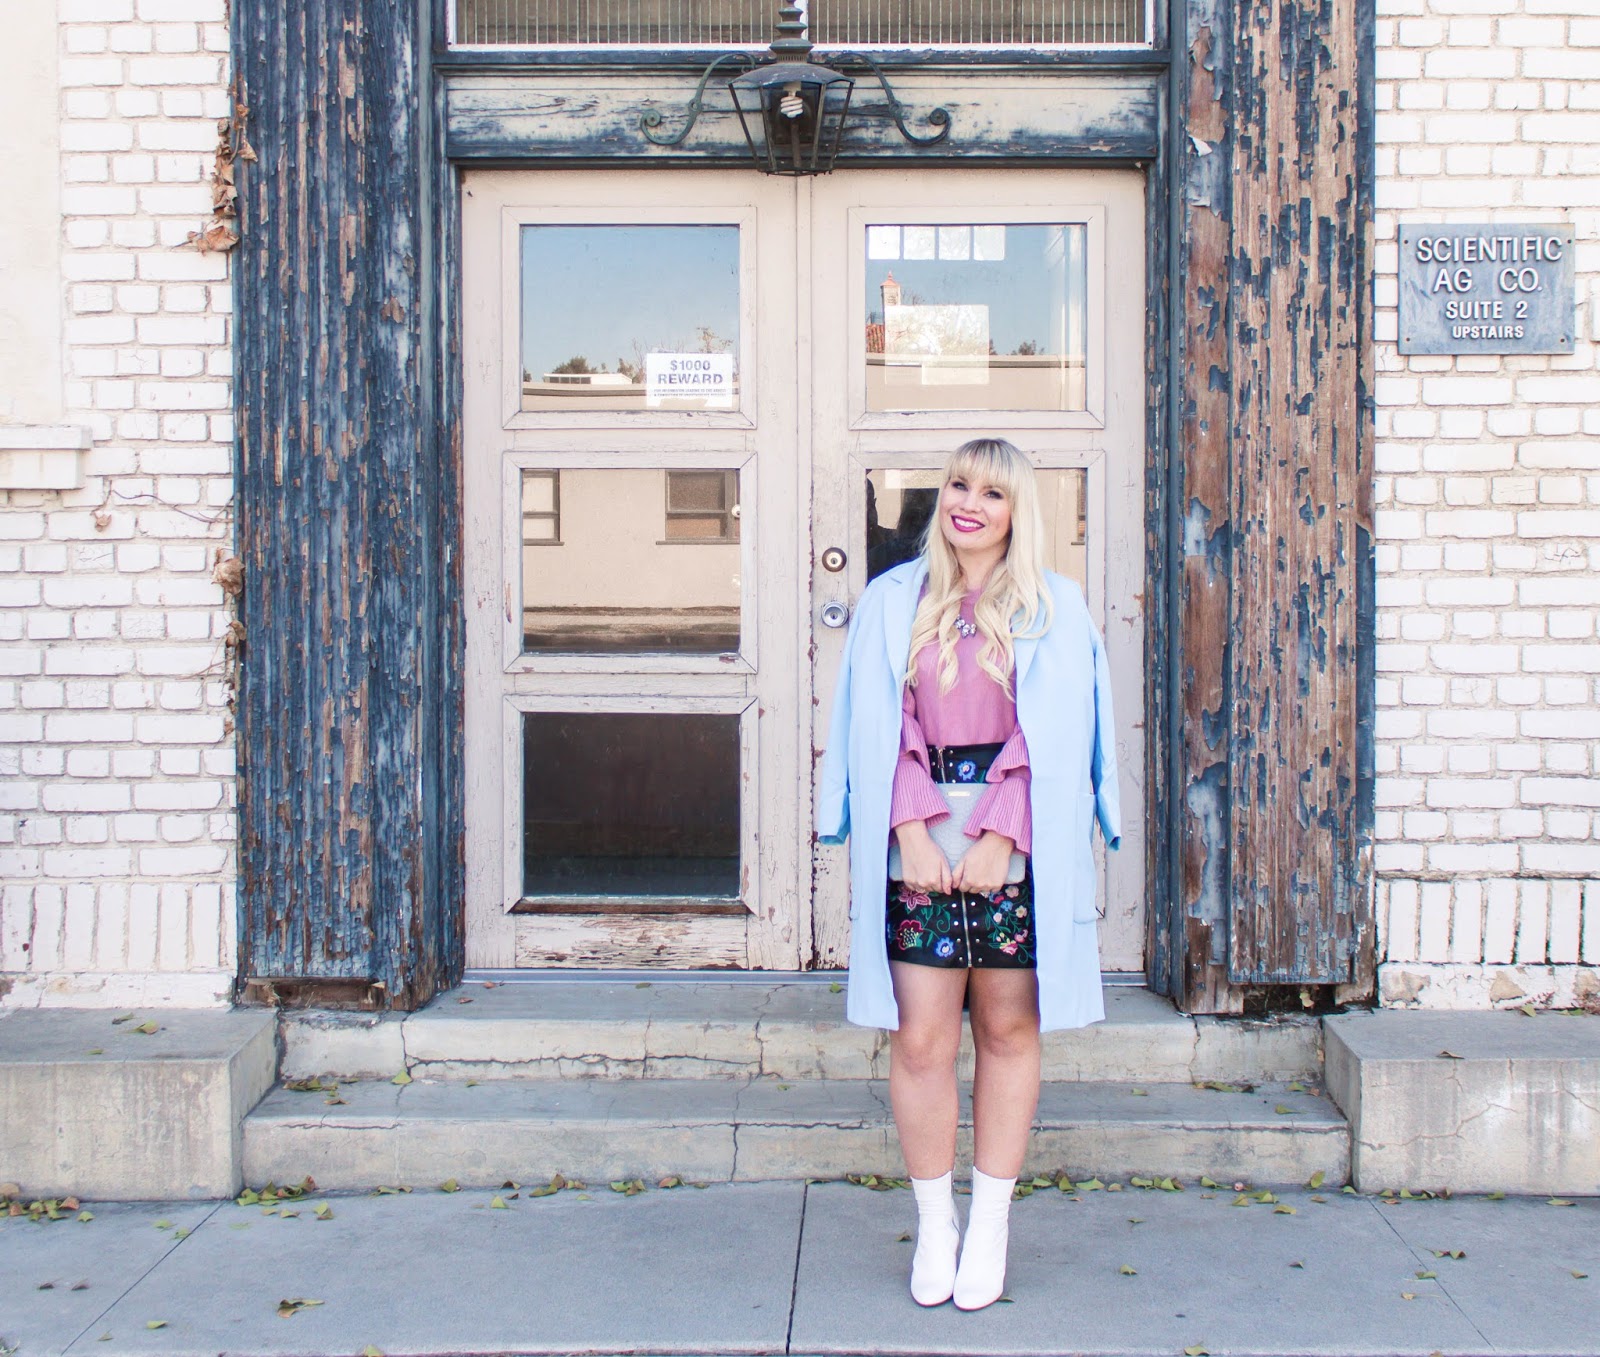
(961, 930)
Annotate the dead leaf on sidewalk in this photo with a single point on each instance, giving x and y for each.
(289, 1308)
(1197, 1350)
(1448, 1253)
(1127, 1271)
(402, 1079)
(155, 1323)
(1316, 1180)
(324, 1211)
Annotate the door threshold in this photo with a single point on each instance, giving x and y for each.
(640, 975)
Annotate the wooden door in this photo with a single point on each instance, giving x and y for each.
(954, 304)
(635, 673)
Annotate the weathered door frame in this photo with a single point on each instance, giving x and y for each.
(1256, 140)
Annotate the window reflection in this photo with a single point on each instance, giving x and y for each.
(630, 561)
(976, 317)
(900, 504)
(630, 318)
(630, 804)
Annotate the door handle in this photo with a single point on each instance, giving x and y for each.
(835, 614)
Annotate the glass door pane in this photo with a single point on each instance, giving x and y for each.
(630, 561)
(630, 805)
(638, 317)
(976, 317)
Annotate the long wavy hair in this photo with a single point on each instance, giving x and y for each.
(1015, 601)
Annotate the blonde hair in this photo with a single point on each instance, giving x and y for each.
(1015, 601)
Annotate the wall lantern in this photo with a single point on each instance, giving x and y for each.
(792, 109)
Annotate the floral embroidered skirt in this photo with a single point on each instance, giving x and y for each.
(962, 930)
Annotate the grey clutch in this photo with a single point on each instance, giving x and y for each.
(950, 833)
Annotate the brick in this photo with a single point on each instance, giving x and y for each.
(1471, 523)
(80, 862)
(1558, 523)
(1579, 859)
(1469, 63)
(1557, 659)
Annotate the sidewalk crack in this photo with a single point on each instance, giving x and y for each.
(794, 1288)
(1426, 1266)
(177, 1244)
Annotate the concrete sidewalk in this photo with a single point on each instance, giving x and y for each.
(797, 1268)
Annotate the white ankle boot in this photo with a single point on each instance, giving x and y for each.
(933, 1268)
(981, 1278)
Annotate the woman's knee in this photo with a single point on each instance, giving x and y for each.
(925, 1048)
(1006, 1036)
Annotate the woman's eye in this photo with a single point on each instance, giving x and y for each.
(958, 485)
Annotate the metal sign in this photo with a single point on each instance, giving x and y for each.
(1495, 288)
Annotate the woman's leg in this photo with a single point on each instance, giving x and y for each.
(1005, 1085)
(922, 1064)
(922, 1088)
(1005, 1095)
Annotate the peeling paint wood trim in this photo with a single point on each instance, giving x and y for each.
(1089, 117)
(1274, 366)
(347, 854)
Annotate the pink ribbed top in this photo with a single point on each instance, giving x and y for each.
(975, 711)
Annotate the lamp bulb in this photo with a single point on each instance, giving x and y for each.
(791, 105)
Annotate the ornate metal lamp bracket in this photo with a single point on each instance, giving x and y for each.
(939, 117)
(651, 119)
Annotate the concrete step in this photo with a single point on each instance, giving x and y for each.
(787, 1030)
(1475, 1102)
(708, 1130)
(124, 1107)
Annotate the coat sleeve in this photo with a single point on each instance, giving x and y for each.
(833, 797)
(1103, 762)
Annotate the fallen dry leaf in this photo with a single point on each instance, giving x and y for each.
(288, 1308)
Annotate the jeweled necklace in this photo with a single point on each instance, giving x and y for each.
(965, 628)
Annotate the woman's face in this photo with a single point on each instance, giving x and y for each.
(974, 516)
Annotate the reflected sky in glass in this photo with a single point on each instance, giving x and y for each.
(614, 294)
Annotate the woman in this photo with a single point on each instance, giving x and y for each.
(971, 664)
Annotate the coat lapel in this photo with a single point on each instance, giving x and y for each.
(899, 609)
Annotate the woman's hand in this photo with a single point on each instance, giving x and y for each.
(921, 859)
(982, 869)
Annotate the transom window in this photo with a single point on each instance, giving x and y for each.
(833, 23)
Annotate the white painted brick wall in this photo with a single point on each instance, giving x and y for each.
(1488, 527)
(116, 804)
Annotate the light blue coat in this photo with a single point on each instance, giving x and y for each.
(1063, 692)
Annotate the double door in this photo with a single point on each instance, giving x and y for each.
(702, 410)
